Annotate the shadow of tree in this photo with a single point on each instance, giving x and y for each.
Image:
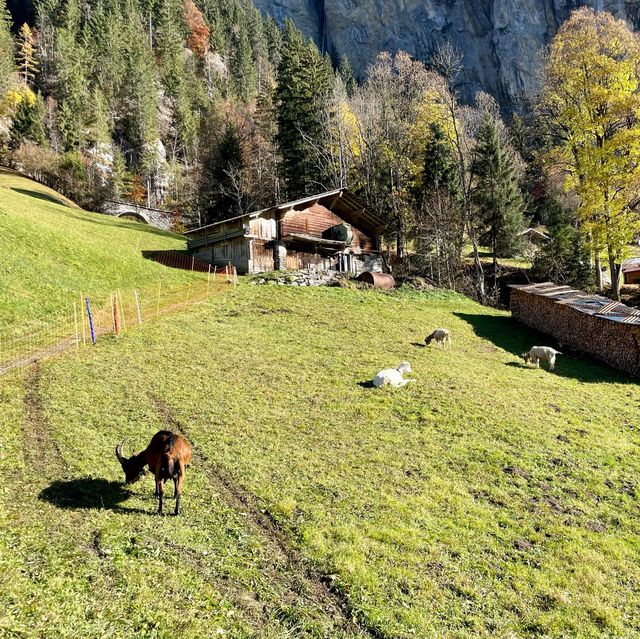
(40, 196)
(511, 336)
(88, 493)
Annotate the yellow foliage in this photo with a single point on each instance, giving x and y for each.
(591, 100)
(15, 97)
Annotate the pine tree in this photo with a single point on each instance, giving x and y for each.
(346, 74)
(441, 170)
(28, 121)
(565, 258)
(304, 80)
(7, 66)
(221, 193)
(496, 195)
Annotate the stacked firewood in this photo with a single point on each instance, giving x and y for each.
(612, 342)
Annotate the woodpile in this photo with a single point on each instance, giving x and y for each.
(608, 331)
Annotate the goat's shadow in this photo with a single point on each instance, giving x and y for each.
(88, 493)
(519, 365)
(508, 334)
(419, 344)
(366, 384)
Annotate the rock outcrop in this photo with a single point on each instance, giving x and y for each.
(502, 40)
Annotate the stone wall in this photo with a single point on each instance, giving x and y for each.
(611, 342)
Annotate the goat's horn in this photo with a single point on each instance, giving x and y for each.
(119, 454)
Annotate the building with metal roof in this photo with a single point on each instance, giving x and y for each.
(329, 231)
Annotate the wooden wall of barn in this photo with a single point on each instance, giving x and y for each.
(235, 250)
(316, 219)
(613, 343)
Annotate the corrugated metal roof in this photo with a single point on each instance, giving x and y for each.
(580, 301)
(356, 207)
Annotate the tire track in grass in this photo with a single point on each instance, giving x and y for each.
(287, 567)
(42, 456)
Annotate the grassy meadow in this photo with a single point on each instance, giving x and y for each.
(488, 499)
(52, 251)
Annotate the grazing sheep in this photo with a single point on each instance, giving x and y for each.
(542, 353)
(442, 336)
(393, 376)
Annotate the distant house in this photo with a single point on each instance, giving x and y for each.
(329, 231)
(631, 271)
(535, 236)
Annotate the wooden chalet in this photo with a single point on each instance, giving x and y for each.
(330, 231)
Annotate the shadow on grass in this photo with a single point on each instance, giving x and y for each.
(88, 493)
(367, 384)
(40, 196)
(511, 336)
(418, 344)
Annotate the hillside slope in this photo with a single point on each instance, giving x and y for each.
(487, 500)
(53, 251)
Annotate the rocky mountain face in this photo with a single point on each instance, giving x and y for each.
(502, 40)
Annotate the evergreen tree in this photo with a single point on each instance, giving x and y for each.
(221, 192)
(7, 66)
(304, 80)
(28, 121)
(496, 195)
(565, 259)
(441, 170)
(346, 74)
(439, 224)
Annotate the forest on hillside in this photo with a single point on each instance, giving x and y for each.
(210, 108)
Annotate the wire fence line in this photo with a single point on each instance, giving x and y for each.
(93, 317)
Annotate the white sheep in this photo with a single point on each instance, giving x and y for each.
(542, 354)
(393, 376)
(442, 336)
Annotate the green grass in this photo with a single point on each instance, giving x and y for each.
(486, 500)
(52, 252)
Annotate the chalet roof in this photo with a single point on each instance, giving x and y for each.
(595, 305)
(352, 209)
(630, 266)
(535, 233)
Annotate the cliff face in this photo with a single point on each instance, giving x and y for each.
(502, 40)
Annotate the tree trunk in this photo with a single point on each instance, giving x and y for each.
(616, 271)
(598, 266)
(495, 266)
(399, 237)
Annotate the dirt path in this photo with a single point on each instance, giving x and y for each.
(296, 576)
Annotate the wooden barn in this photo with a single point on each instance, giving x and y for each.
(330, 231)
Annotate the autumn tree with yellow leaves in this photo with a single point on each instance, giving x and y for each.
(590, 103)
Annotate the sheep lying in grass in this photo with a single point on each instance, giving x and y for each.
(542, 354)
(393, 376)
(441, 336)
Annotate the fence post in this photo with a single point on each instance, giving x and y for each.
(114, 315)
(209, 281)
(235, 276)
(84, 332)
(75, 325)
(90, 316)
(122, 315)
(135, 297)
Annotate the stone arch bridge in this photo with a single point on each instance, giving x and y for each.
(159, 218)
